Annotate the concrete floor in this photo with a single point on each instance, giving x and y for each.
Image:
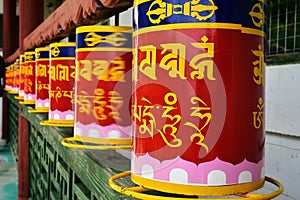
(8, 174)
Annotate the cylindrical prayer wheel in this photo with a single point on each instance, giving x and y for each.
(13, 79)
(22, 76)
(61, 84)
(29, 78)
(198, 96)
(42, 79)
(9, 80)
(16, 82)
(103, 87)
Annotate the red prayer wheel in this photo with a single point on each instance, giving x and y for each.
(61, 84)
(16, 82)
(9, 78)
(103, 87)
(198, 99)
(29, 78)
(22, 76)
(42, 79)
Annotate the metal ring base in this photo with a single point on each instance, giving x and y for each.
(138, 191)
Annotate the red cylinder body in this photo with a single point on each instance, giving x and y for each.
(198, 105)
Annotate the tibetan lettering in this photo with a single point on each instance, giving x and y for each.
(148, 65)
(42, 70)
(115, 103)
(100, 103)
(202, 111)
(83, 102)
(59, 93)
(103, 105)
(203, 61)
(175, 60)
(61, 72)
(143, 115)
(172, 58)
(258, 116)
(259, 70)
(169, 127)
(104, 70)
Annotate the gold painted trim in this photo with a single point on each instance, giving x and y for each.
(95, 142)
(85, 29)
(42, 49)
(29, 53)
(199, 25)
(19, 97)
(39, 110)
(63, 58)
(103, 49)
(27, 102)
(138, 2)
(62, 123)
(63, 44)
(196, 189)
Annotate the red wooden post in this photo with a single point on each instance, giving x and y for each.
(31, 15)
(9, 46)
(23, 158)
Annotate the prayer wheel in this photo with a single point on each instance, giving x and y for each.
(8, 78)
(103, 87)
(22, 77)
(29, 78)
(42, 79)
(198, 96)
(61, 84)
(12, 75)
(15, 89)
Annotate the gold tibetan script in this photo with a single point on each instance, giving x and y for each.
(258, 116)
(104, 70)
(203, 61)
(42, 70)
(259, 66)
(203, 113)
(173, 59)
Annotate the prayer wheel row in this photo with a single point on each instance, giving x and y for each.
(186, 88)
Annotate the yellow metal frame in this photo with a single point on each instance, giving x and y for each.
(96, 143)
(39, 110)
(137, 191)
(12, 92)
(62, 123)
(19, 97)
(27, 102)
(197, 189)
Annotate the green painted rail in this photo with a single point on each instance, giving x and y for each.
(58, 172)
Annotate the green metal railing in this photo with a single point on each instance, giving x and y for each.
(58, 172)
(12, 127)
(283, 32)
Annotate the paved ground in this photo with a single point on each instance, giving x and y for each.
(8, 174)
